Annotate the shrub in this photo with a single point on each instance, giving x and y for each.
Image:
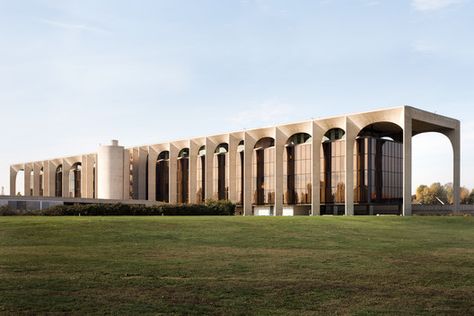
(210, 208)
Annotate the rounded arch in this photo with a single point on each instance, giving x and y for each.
(222, 148)
(162, 176)
(426, 157)
(239, 172)
(263, 171)
(378, 168)
(20, 183)
(58, 181)
(201, 175)
(297, 177)
(41, 181)
(75, 180)
(182, 182)
(334, 134)
(220, 173)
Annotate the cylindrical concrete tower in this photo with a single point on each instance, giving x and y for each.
(110, 171)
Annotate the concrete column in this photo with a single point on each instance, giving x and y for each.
(173, 169)
(193, 152)
(110, 162)
(210, 148)
(142, 173)
(249, 143)
(36, 179)
(317, 137)
(455, 138)
(152, 158)
(46, 177)
(280, 141)
(86, 177)
(351, 133)
(231, 167)
(126, 174)
(407, 158)
(66, 169)
(28, 179)
(13, 174)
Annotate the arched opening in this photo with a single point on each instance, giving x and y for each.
(239, 178)
(221, 180)
(93, 180)
(183, 176)
(332, 189)
(263, 172)
(58, 181)
(32, 182)
(20, 183)
(201, 175)
(75, 180)
(378, 169)
(131, 182)
(297, 170)
(427, 157)
(163, 177)
(41, 182)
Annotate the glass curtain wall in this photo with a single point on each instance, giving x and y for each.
(201, 175)
(220, 178)
(183, 176)
(263, 172)
(333, 167)
(59, 181)
(240, 173)
(297, 170)
(163, 177)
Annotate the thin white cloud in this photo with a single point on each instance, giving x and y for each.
(268, 112)
(433, 5)
(71, 26)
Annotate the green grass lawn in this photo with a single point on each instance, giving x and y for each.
(237, 265)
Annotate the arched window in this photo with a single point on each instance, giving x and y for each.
(378, 164)
(201, 175)
(32, 182)
(263, 171)
(297, 170)
(183, 176)
(221, 180)
(75, 180)
(333, 167)
(240, 173)
(59, 181)
(41, 182)
(162, 177)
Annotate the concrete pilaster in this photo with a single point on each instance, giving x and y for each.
(351, 134)
(249, 143)
(152, 158)
(210, 148)
(173, 168)
(280, 140)
(317, 137)
(455, 138)
(36, 179)
(407, 161)
(66, 169)
(28, 179)
(231, 168)
(192, 185)
(13, 175)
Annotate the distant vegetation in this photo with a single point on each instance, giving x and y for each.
(437, 194)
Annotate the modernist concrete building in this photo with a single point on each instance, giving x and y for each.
(351, 164)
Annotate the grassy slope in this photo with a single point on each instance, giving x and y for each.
(300, 265)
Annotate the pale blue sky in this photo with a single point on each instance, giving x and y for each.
(74, 74)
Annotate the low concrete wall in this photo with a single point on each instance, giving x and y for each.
(441, 210)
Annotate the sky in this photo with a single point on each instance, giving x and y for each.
(77, 73)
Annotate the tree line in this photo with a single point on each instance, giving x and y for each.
(438, 194)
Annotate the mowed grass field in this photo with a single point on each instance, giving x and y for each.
(237, 265)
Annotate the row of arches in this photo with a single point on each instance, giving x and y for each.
(378, 173)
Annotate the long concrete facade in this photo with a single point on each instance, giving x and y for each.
(237, 166)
